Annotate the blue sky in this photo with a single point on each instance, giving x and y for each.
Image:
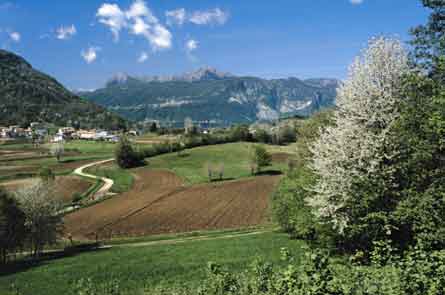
(84, 43)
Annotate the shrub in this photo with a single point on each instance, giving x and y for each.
(261, 158)
(126, 156)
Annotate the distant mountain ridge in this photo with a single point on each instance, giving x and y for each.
(206, 73)
(28, 95)
(210, 95)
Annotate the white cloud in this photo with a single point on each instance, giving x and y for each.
(143, 57)
(90, 55)
(356, 2)
(180, 16)
(66, 32)
(113, 17)
(138, 20)
(15, 36)
(191, 45)
(176, 17)
(209, 17)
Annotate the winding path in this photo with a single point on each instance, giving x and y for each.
(108, 183)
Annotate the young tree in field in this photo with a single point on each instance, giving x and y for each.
(354, 150)
(57, 150)
(208, 167)
(41, 209)
(125, 155)
(261, 158)
(12, 226)
(220, 170)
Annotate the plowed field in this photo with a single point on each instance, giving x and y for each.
(159, 203)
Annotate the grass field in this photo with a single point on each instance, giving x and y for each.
(149, 266)
(123, 179)
(191, 164)
(90, 147)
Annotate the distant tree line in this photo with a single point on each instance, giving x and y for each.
(128, 156)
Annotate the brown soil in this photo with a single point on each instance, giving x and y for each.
(66, 186)
(159, 203)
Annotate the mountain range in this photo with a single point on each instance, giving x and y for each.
(28, 95)
(210, 95)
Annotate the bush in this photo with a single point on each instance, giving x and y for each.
(261, 158)
(126, 156)
(12, 226)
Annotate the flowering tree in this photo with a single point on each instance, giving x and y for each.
(42, 213)
(355, 147)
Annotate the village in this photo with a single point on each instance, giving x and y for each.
(44, 132)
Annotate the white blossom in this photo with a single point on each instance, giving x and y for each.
(354, 147)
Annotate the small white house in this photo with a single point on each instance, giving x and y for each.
(58, 138)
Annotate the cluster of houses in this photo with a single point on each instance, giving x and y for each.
(15, 131)
(69, 133)
(39, 131)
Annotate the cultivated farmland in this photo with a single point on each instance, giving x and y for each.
(160, 201)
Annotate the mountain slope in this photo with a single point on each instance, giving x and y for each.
(27, 95)
(207, 95)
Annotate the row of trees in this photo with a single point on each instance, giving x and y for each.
(29, 219)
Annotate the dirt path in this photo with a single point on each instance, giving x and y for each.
(108, 183)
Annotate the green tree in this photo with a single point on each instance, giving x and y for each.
(41, 208)
(429, 40)
(125, 155)
(46, 174)
(12, 226)
(261, 158)
(287, 134)
(261, 135)
(153, 127)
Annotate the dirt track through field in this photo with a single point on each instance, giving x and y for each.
(160, 203)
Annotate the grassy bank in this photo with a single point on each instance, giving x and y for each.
(137, 267)
(191, 164)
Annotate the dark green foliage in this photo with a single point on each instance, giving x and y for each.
(27, 95)
(286, 135)
(420, 167)
(289, 205)
(429, 40)
(262, 136)
(290, 208)
(12, 226)
(261, 158)
(126, 156)
(419, 272)
(153, 127)
(240, 133)
(46, 174)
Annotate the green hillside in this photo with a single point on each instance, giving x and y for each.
(27, 95)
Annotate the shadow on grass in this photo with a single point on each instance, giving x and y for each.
(222, 179)
(28, 262)
(269, 172)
